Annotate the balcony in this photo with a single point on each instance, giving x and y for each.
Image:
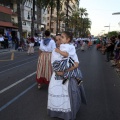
(52, 26)
(6, 10)
(14, 12)
(15, 24)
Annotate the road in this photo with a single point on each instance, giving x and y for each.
(21, 100)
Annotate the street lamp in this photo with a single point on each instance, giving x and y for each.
(109, 27)
(117, 13)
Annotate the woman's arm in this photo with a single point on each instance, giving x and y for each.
(72, 68)
(76, 64)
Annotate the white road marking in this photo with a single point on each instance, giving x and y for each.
(19, 81)
(17, 66)
(18, 62)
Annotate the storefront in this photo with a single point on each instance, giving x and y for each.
(2, 30)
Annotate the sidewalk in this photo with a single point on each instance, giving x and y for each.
(2, 50)
(7, 50)
(117, 70)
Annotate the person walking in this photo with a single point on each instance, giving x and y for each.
(117, 50)
(16, 41)
(44, 68)
(1, 41)
(64, 100)
(5, 41)
(31, 43)
(109, 49)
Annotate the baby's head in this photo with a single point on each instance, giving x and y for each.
(66, 37)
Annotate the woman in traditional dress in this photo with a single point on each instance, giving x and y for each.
(83, 46)
(44, 68)
(31, 43)
(64, 99)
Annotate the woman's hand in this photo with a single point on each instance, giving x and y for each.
(76, 64)
(60, 73)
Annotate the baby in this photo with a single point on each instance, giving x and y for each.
(66, 51)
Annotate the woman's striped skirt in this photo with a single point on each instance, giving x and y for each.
(44, 68)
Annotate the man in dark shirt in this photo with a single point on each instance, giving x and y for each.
(109, 49)
(5, 41)
(16, 41)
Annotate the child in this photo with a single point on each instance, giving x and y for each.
(64, 59)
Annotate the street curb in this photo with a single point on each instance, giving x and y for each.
(6, 51)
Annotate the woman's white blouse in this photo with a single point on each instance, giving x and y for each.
(47, 48)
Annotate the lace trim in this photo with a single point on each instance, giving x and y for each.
(60, 109)
(58, 95)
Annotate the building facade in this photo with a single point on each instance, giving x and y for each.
(62, 25)
(8, 19)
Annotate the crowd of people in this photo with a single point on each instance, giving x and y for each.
(111, 48)
(4, 41)
(58, 66)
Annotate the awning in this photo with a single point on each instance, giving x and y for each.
(7, 24)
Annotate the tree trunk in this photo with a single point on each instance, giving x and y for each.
(19, 20)
(59, 27)
(39, 16)
(51, 15)
(33, 18)
(81, 25)
(58, 8)
(66, 26)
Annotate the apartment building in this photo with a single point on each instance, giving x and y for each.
(8, 19)
(72, 5)
(39, 20)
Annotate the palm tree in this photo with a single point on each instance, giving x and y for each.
(51, 5)
(67, 4)
(82, 13)
(58, 10)
(19, 2)
(40, 5)
(78, 23)
(86, 26)
(33, 18)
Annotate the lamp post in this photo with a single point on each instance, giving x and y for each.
(109, 27)
(103, 31)
(117, 13)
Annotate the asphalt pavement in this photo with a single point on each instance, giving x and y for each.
(21, 100)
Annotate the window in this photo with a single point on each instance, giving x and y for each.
(52, 29)
(29, 23)
(12, 19)
(63, 25)
(48, 18)
(47, 24)
(5, 17)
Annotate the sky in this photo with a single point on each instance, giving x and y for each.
(100, 14)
